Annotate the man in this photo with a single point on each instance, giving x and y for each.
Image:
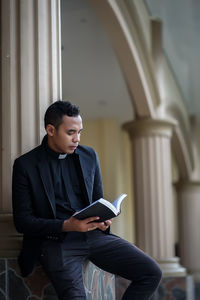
(50, 183)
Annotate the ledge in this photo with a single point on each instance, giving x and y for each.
(98, 284)
(10, 240)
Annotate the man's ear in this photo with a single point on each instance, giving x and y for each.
(50, 129)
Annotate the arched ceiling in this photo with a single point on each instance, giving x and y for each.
(181, 42)
(92, 77)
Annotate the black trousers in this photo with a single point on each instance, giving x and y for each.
(63, 261)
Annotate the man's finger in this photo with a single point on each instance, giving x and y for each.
(108, 222)
(91, 219)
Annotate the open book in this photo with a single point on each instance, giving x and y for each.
(101, 208)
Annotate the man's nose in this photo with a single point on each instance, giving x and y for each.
(76, 138)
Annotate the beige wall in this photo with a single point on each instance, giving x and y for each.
(113, 148)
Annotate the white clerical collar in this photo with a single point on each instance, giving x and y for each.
(62, 156)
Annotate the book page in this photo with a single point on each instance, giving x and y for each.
(108, 204)
(118, 201)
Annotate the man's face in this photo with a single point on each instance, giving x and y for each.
(66, 138)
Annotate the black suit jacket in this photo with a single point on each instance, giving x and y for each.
(34, 209)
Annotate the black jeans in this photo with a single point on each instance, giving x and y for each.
(63, 261)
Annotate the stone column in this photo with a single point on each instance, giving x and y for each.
(153, 191)
(189, 224)
(31, 80)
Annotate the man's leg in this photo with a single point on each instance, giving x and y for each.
(62, 262)
(120, 257)
(68, 282)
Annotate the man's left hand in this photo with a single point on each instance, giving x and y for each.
(104, 225)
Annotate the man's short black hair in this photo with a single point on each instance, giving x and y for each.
(57, 110)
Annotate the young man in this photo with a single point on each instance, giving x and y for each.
(50, 183)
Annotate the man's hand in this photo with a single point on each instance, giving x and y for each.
(73, 224)
(104, 225)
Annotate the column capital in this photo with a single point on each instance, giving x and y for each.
(186, 185)
(150, 127)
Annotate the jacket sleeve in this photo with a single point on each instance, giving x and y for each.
(97, 187)
(25, 217)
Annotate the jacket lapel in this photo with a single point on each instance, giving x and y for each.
(44, 172)
(85, 172)
(47, 181)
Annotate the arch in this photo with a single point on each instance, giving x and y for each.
(181, 142)
(127, 43)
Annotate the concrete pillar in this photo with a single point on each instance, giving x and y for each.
(153, 191)
(31, 80)
(189, 223)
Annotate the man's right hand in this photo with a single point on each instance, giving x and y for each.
(73, 224)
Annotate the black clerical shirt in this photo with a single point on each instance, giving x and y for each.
(65, 172)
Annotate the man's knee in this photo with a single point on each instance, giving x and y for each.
(155, 273)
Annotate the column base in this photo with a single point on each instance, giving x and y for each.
(171, 267)
(176, 288)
